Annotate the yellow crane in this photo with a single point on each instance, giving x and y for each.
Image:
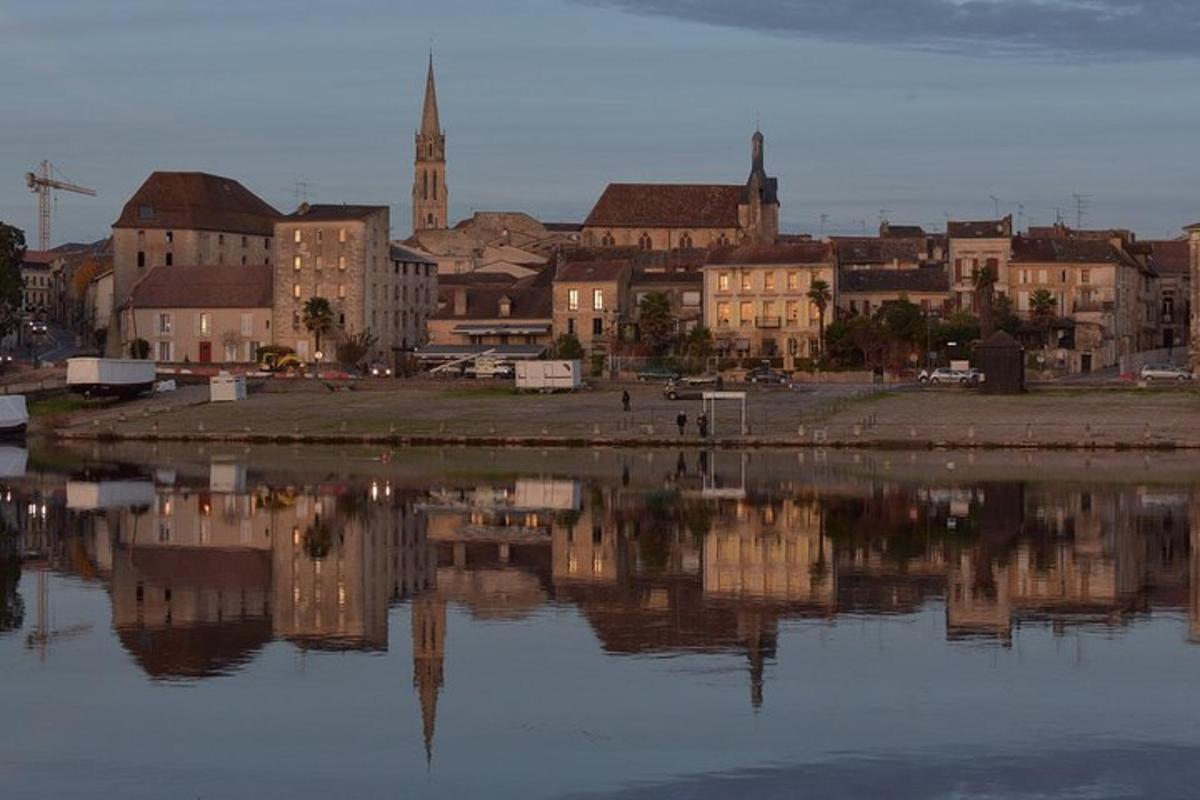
(42, 183)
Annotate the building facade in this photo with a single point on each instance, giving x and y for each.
(971, 246)
(191, 218)
(591, 301)
(756, 299)
(415, 275)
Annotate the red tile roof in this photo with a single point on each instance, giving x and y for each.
(38, 258)
(922, 280)
(528, 299)
(332, 212)
(197, 201)
(980, 229)
(1030, 250)
(592, 271)
(799, 253)
(209, 286)
(872, 250)
(667, 205)
(1171, 257)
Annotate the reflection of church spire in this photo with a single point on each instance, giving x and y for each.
(429, 643)
(760, 645)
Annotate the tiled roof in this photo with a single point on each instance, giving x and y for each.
(799, 253)
(927, 279)
(667, 205)
(529, 300)
(400, 253)
(869, 250)
(563, 227)
(675, 276)
(1071, 251)
(37, 258)
(592, 271)
(205, 286)
(889, 231)
(476, 279)
(332, 212)
(197, 201)
(980, 229)
(1171, 257)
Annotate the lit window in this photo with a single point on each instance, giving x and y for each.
(296, 262)
(296, 236)
(572, 299)
(597, 299)
(769, 281)
(341, 234)
(318, 263)
(747, 282)
(342, 290)
(746, 313)
(341, 262)
(205, 323)
(793, 281)
(723, 313)
(723, 282)
(296, 290)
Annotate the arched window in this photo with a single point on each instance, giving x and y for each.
(435, 183)
(607, 240)
(685, 241)
(424, 185)
(644, 241)
(722, 240)
(429, 220)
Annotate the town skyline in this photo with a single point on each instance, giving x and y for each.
(553, 155)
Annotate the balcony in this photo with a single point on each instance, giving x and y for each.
(768, 322)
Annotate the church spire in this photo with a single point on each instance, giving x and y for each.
(430, 125)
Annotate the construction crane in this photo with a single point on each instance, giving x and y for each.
(42, 184)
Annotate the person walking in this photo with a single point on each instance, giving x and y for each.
(625, 404)
(702, 424)
(681, 421)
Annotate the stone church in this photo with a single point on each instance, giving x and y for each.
(430, 201)
(674, 216)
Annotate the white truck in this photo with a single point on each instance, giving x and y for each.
(109, 377)
(549, 376)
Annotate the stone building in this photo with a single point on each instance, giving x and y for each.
(862, 291)
(508, 241)
(340, 253)
(972, 246)
(591, 301)
(191, 218)
(1193, 234)
(670, 216)
(1171, 262)
(414, 274)
(38, 281)
(202, 314)
(756, 299)
(492, 313)
(430, 201)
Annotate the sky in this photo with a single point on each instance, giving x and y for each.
(913, 110)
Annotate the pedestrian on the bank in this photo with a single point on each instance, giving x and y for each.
(625, 404)
(681, 421)
(702, 424)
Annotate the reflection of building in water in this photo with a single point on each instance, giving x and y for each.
(429, 653)
(202, 579)
(1194, 587)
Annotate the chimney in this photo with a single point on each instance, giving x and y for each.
(460, 302)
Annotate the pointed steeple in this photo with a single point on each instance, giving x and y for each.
(429, 652)
(430, 125)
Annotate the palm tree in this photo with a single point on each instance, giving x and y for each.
(820, 296)
(985, 289)
(318, 318)
(1042, 303)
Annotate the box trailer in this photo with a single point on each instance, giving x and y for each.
(107, 377)
(549, 376)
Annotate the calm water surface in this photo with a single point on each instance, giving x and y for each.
(280, 622)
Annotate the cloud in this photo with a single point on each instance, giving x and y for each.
(1051, 29)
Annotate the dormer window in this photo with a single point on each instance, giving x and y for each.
(505, 307)
(145, 211)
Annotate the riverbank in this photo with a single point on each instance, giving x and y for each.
(462, 413)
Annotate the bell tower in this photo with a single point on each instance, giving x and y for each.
(429, 196)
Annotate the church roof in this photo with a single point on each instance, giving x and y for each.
(430, 124)
(668, 205)
(197, 201)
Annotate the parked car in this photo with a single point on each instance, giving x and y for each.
(489, 368)
(38, 327)
(1164, 372)
(964, 377)
(657, 374)
(380, 370)
(692, 387)
(766, 375)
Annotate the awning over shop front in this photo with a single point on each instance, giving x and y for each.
(503, 352)
(502, 329)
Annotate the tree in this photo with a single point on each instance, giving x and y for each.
(318, 318)
(820, 296)
(140, 349)
(1005, 318)
(903, 321)
(88, 270)
(12, 290)
(567, 347)
(354, 348)
(1042, 303)
(698, 345)
(984, 279)
(656, 323)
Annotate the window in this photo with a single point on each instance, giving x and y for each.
(204, 321)
(247, 324)
(141, 238)
(572, 299)
(146, 211)
(170, 236)
(607, 239)
(597, 326)
(341, 262)
(220, 239)
(793, 310)
(141, 258)
(1041, 276)
(747, 282)
(164, 351)
(597, 299)
(252, 351)
(723, 282)
(793, 281)
(644, 241)
(723, 313)
(746, 313)
(768, 308)
(1063, 276)
(1024, 276)
(341, 234)
(318, 263)
(769, 281)
(571, 326)
(164, 325)
(169, 259)
(231, 349)
(297, 262)
(296, 290)
(1085, 276)
(245, 242)
(320, 235)
(296, 236)
(342, 291)
(685, 241)
(691, 299)
(958, 270)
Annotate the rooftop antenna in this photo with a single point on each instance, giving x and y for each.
(1020, 215)
(883, 212)
(300, 190)
(995, 206)
(824, 222)
(1083, 203)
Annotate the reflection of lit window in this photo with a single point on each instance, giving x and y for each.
(295, 536)
(295, 595)
(597, 564)
(341, 594)
(164, 531)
